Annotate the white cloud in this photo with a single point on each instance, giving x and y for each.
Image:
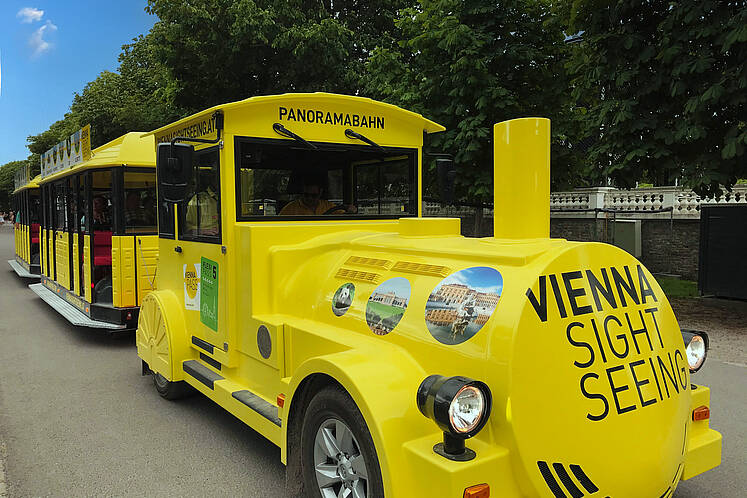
(30, 14)
(38, 44)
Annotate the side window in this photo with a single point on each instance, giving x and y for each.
(199, 217)
(140, 201)
(101, 189)
(60, 209)
(82, 202)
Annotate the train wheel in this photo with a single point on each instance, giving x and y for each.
(171, 390)
(338, 454)
(154, 348)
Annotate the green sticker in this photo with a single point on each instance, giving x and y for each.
(209, 293)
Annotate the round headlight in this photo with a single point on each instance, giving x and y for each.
(467, 409)
(459, 405)
(696, 353)
(696, 348)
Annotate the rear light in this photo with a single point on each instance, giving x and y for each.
(281, 400)
(479, 491)
(701, 413)
(129, 315)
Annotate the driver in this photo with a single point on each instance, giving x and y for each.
(311, 203)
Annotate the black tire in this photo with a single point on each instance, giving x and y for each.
(171, 390)
(333, 402)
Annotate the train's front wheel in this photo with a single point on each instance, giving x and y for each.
(338, 454)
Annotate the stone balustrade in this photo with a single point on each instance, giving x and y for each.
(605, 202)
(651, 202)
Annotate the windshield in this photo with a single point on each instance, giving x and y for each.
(277, 178)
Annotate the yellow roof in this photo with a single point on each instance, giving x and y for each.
(292, 98)
(131, 149)
(33, 183)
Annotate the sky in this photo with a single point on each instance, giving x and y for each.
(49, 50)
(480, 278)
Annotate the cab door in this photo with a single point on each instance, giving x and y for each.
(196, 259)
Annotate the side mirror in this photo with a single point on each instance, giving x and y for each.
(174, 167)
(446, 177)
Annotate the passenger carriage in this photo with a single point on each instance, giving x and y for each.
(26, 225)
(99, 245)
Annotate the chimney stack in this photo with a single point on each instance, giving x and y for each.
(521, 175)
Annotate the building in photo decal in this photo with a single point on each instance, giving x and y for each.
(461, 304)
(387, 304)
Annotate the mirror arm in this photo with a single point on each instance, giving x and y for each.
(353, 135)
(218, 116)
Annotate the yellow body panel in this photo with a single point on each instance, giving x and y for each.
(76, 265)
(147, 265)
(123, 271)
(87, 268)
(43, 250)
(52, 250)
(583, 354)
(62, 246)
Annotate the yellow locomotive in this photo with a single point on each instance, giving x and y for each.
(301, 289)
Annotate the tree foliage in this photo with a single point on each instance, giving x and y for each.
(654, 92)
(138, 97)
(224, 50)
(7, 177)
(469, 65)
(662, 86)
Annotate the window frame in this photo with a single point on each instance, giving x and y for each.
(137, 169)
(181, 208)
(409, 151)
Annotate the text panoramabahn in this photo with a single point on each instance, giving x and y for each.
(628, 328)
(331, 118)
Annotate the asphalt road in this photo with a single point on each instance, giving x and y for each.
(77, 419)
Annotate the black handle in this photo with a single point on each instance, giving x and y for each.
(178, 249)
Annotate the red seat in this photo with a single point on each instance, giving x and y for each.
(102, 248)
(35, 233)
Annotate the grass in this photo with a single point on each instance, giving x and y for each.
(675, 287)
(384, 310)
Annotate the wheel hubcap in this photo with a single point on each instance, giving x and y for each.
(339, 466)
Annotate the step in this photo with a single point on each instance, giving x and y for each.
(70, 312)
(252, 409)
(21, 271)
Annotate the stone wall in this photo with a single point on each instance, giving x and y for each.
(667, 246)
(671, 247)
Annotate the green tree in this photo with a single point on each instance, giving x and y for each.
(139, 97)
(661, 88)
(223, 50)
(469, 65)
(7, 177)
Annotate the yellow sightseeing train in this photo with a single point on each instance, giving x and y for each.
(301, 290)
(26, 225)
(99, 245)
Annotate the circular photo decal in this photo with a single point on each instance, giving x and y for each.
(343, 298)
(387, 304)
(461, 304)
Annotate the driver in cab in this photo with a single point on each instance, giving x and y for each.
(311, 203)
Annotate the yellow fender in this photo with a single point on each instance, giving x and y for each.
(161, 335)
(386, 400)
